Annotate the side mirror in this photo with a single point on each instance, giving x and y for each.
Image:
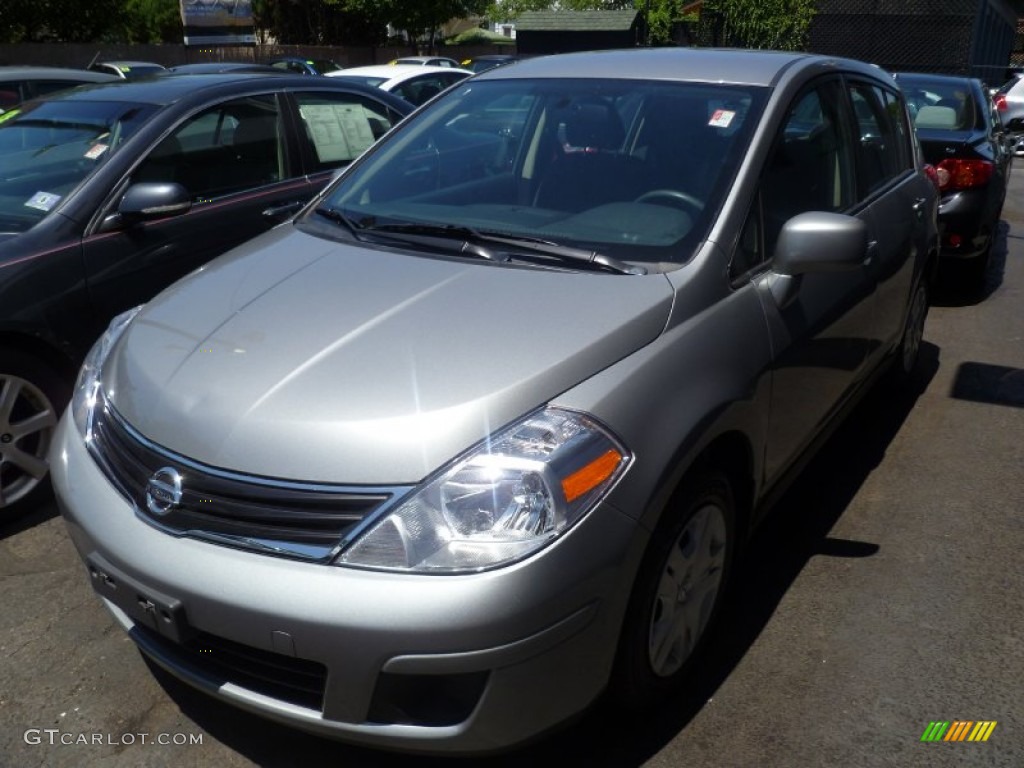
(816, 242)
(820, 242)
(153, 200)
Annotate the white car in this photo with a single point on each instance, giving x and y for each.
(416, 83)
(439, 61)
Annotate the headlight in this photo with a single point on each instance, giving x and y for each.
(83, 399)
(511, 496)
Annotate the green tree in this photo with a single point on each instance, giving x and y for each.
(322, 22)
(777, 24)
(418, 17)
(596, 5)
(57, 20)
(663, 18)
(152, 21)
(508, 10)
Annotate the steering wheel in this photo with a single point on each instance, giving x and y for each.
(671, 196)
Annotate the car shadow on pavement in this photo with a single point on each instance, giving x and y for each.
(795, 531)
(42, 513)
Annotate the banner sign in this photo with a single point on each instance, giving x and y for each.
(218, 22)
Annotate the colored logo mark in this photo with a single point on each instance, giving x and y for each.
(958, 730)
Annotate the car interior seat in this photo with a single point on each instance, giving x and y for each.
(257, 151)
(164, 164)
(936, 116)
(680, 148)
(582, 172)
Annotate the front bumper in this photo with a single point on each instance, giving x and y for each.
(461, 664)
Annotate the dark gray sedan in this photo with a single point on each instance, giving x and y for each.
(110, 193)
(480, 434)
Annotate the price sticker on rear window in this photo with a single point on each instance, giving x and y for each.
(9, 114)
(721, 118)
(43, 201)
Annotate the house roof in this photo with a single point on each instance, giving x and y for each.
(576, 21)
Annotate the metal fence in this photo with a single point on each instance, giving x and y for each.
(966, 37)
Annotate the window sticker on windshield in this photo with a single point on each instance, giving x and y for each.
(9, 114)
(96, 150)
(340, 131)
(43, 201)
(721, 118)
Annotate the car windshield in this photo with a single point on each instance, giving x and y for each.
(630, 169)
(48, 147)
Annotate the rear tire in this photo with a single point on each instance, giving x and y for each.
(678, 592)
(32, 396)
(909, 351)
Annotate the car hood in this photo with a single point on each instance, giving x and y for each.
(300, 358)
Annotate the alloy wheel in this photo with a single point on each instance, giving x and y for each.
(27, 422)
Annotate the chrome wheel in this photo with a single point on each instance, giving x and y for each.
(688, 591)
(27, 422)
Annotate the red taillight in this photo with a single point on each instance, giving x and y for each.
(963, 174)
(931, 173)
(999, 101)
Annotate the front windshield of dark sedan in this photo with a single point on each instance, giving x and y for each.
(630, 169)
(47, 148)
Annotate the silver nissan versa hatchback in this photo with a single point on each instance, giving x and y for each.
(475, 438)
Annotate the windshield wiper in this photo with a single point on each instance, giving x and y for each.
(524, 248)
(331, 214)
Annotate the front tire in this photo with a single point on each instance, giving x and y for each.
(678, 592)
(32, 396)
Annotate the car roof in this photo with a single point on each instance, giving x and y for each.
(168, 89)
(713, 65)
(129, 63)
(932, 76)
(393, 71)
(207, 67)
(46, 73)
(424, 58)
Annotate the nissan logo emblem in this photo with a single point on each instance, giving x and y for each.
(163, 491)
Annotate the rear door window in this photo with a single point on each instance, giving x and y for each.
(340, 126)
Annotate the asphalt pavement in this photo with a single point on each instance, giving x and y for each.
(885, 593)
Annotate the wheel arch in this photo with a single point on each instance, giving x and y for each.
(47, 352)
(732, 453)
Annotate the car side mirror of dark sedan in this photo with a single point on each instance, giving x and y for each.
(816, 242)
(153, 200)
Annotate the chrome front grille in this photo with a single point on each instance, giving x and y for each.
(287, 518)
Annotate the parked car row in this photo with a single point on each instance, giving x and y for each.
(479, 434)
(564, 333)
